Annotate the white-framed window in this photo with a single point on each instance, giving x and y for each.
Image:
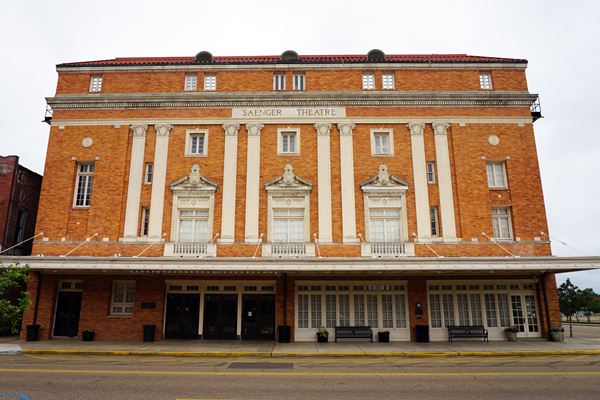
(430, 171)
(298, 82)
(148, 173)
(485, 80)
(496, 174)
(388, 81)
(433, 218)
(145, 222)
(96, 83)
(368, 81)
(279, 82)
(385, 225)
(83, 184)
(501, 222)
(196, 143)
(123, 295)
(382, 142)
(289, 142)
(190, 83)
(193, 225)
(288, 225)
(210, 82)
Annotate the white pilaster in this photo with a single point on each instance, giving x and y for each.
(420, 176)
(252, 182)
(324, 181)
(347, 183)
(136, 170)
(157, 202)
(229, 182)
(444, 181)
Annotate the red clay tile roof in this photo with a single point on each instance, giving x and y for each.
(303, 59)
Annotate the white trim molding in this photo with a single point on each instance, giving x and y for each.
(324, 181)
(444, 175)
(229, 182)
(252, 182)
(134, 187)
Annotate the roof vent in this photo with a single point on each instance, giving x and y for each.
(375, 55)
(289, 56)
(204, 57)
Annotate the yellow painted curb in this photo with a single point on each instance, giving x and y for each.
(516, 353)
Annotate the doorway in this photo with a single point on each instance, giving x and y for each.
(258, 317)
(66, 320)
(182, 317)
(220, 316)
(525, 315)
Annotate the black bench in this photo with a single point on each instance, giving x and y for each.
(352, 332)
(477, 331)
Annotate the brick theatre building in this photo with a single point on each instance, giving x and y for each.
(223, 197)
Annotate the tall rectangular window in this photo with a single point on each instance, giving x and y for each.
(302, 311)
(193, 225)
(385, 225)
(387, 80)
(298, 82)
(288, 142)
(430, 171)
(501, 222)
(122, 298)
(279, 82)
(485, 80)
(96, 83)
(196, 144)
(210, 82)
(368, 81)
(145, 221)
(20, 232)
(496, 174)
(190, 83)
(288, 225)
(85, 178)
(435, 227)
(382, 143)
(148, 172)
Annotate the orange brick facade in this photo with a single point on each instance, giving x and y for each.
(449, 93)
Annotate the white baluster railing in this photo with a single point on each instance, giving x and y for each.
(189, 249)
(288, 249)
(387, 249)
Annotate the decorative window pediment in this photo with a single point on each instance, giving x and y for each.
(194, 182)
(384, 182)
(289, 182)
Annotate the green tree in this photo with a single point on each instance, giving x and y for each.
(568, 299)
(14, 300)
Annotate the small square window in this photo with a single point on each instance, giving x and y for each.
(485, 80)
(196, 143)
(368, 81)
(210, 83)
(435, 228)
(496, 174)
(148, 173)
(382, 143)
(430, 171)
(96, 83)
(289, 142)
(279, 82)
(298, 82)
(190, 83)
(501, 223)
(387, 80)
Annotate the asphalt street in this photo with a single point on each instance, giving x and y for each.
(117, 377)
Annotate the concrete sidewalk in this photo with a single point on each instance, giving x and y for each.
(211, 348)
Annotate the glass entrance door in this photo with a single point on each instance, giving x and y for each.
(525, 315)
(68, 307)
(182, 316)
(258, 317)
(220, 316)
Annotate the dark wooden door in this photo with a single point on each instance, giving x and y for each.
(220, 316)
(182, 317)
(68, 307)
(258, 317)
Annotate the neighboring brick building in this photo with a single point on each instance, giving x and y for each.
(232, 195)
(19, 196)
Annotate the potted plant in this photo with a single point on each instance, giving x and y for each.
(88, 335)
(322, 335)
(384, 336)
(557, 334)
(511, 333)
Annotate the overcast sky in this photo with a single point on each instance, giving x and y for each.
(560, 39)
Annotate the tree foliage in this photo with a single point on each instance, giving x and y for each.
(14, 300)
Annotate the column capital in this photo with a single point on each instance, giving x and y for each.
(346, 128)
(440, 128)
(416, 128)
(231, 129)
(253, 128)
(323, 128)
(139, 130)
(163, 129)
